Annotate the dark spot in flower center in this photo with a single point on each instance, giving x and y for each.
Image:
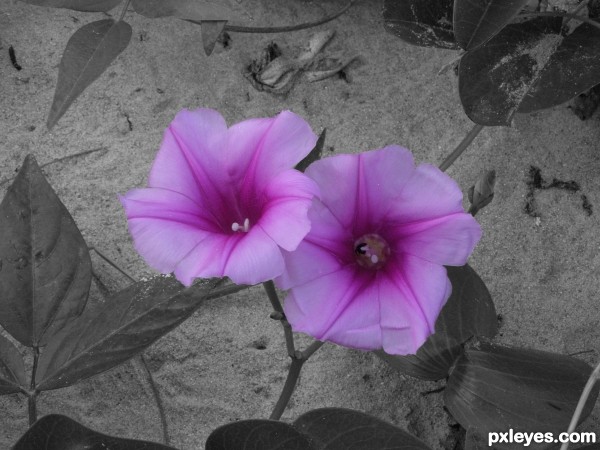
(371, 251)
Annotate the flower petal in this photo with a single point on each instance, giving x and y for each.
(360, 189)
(447, 240)
(189, 154)
(277, 144)
(412, 295)
(165, 225)
(313, 306)
(207, 258)
(255, 258)
(337, 178)
(427, 194)
(383, 175)
(246, 258)
(358, 324)
(307, 263)
(327, 232)
(284, 217)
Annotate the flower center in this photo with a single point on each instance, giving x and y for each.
(371, 251)
(244, 228)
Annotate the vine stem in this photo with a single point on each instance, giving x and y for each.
(284, 29)
(280, 315)
(124, 10)
(157, 398)
(298, 357)
(461, 147)
(595, 376)
(298, 361)
(561, 14)
(226, 290)
(32, 399)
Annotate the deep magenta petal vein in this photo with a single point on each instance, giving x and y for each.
(224, 201)
(370, 273)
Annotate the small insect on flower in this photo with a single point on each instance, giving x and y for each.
(370, 273)
(224, 201)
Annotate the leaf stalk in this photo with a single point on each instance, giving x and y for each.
(461, 147)
(124, 10)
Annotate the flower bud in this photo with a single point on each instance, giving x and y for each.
(482, 193)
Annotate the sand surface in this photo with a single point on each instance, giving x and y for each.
(228, 361)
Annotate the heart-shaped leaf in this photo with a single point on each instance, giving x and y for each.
(126, 324)
(200, 10)
(573, 68)
(425, 23)
(468, 312)
(476, 22)
(88, 53)
(12, 369)
(345, 429)
(45, 266)
(257, 435)
(498, 388)
(315, 153)
(77, 5)
(528, 66)
(57, 432)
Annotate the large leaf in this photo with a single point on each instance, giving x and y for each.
(57, 432)
(77, 5)
(344, 429)
(257, 435)
(199, 10)
(126, 324)
(89, 52)
(477, 21)
(468, 312)
(45, 267)
(12, 368)
(425, 23)
(528, 66)
(573, 68)
(498, 388)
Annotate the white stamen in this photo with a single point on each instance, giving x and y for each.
(237, 227)
(374, 259)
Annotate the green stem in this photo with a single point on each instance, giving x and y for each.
(595, 376)
(31, 401)
(283, 29)
(298, 361)
(287, 328)
(312, 348)
(124, 10)
(226, 290)
(112, 264)
(461, 147)
(157, 399)
(32, 407)
(561, 14)
(288, 388)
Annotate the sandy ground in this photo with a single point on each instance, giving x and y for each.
(543, 274)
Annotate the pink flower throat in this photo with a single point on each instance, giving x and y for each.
(371, 251)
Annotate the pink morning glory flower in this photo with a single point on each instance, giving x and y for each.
(370, 273)
(224, 201)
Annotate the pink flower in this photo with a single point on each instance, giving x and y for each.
(370, 273)
(224, 202)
